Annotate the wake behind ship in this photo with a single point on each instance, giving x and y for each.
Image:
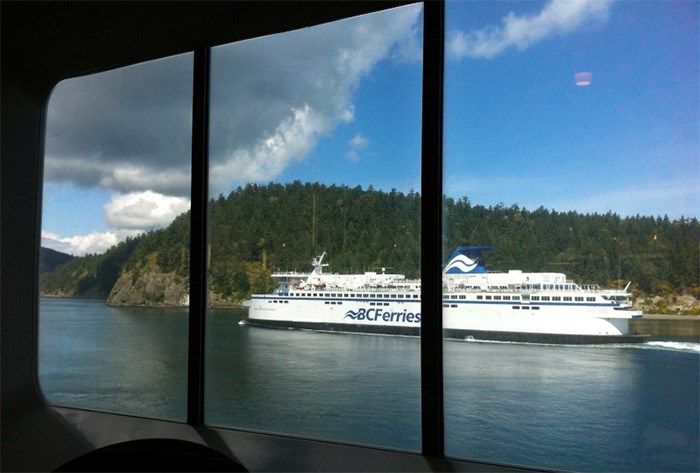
(476, 304)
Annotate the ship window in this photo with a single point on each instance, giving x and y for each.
(110, 177)
(315, 145)
(479, 297)
(578, 299)
(516, 307)
(536, 91)
(497, 298)
(567, 298)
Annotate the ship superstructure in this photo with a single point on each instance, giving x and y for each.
(477, 304)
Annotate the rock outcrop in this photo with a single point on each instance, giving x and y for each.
(149, 288)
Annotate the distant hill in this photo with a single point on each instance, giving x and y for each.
(258, 229)
(51, 259)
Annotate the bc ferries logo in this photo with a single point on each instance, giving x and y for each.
(376, 314)
(461, 264)
(467, 259)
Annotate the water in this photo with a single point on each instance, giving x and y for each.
(114, 359)
(586, 408)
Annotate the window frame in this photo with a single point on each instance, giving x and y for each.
(432, 405)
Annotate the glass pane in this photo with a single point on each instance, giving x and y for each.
(315, 153)
(115, 240)
(571, 149)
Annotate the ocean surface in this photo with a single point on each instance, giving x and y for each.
(597, 408)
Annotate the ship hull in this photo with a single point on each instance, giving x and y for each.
(544, 323)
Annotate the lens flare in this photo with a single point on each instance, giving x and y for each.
(583, 78)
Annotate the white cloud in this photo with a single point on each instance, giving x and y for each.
(357, 143)
(295, 89)
(521, 32)
(126, 215)
(80, 245)
(142, 211)
(292, 140)
(127, 129)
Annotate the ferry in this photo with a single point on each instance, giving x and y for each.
(516, 306)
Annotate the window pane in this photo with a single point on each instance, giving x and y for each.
(115, 240)
(571, 147)
(315, 150)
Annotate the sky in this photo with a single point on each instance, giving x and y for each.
(341, 104)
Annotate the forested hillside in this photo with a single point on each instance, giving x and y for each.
(51, 259)
(258, 229)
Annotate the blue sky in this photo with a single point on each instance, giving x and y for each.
(628, 142)
(340, 104)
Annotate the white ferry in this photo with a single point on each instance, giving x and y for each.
(477, 305)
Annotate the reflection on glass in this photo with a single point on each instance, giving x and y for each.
(571, 151)
(315, 155)
(115, 240)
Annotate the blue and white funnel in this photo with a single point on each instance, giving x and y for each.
(467, 259)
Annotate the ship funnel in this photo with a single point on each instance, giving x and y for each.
(467, 259)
